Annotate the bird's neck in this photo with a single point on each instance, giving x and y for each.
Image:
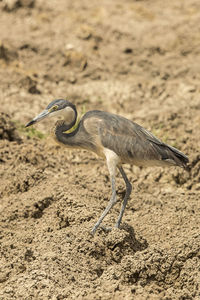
(65, 133)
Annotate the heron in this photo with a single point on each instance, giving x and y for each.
(114, 138)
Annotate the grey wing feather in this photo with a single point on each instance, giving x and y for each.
(135, 144)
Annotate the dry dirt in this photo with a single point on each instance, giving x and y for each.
(139, 59)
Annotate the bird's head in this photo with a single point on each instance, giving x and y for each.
(59, 107)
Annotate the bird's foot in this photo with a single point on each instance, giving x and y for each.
(104, 228)
(94, 229)
(117, 224)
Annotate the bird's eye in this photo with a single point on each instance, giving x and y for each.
(55, 107)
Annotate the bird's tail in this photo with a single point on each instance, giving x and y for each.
(179, 158)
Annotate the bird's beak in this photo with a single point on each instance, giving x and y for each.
(38, 118)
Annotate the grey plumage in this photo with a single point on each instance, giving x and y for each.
(114, 138)
(133, 143)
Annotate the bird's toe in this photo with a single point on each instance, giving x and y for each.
(106, 229)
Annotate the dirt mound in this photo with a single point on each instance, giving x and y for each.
(8, 130)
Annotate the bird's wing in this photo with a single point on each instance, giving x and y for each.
(125, 138)
(131, 142)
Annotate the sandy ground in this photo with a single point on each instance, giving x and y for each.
(139, 59)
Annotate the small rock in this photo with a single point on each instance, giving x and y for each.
(85, 32)
(75, 59)
(30, 85)
(128, 50)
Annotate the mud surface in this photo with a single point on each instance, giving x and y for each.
(139, 59)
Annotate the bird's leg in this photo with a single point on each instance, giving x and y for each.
(112, 161)
(127, 194)
(111, 203)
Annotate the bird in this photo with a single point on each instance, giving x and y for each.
(116, 139)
